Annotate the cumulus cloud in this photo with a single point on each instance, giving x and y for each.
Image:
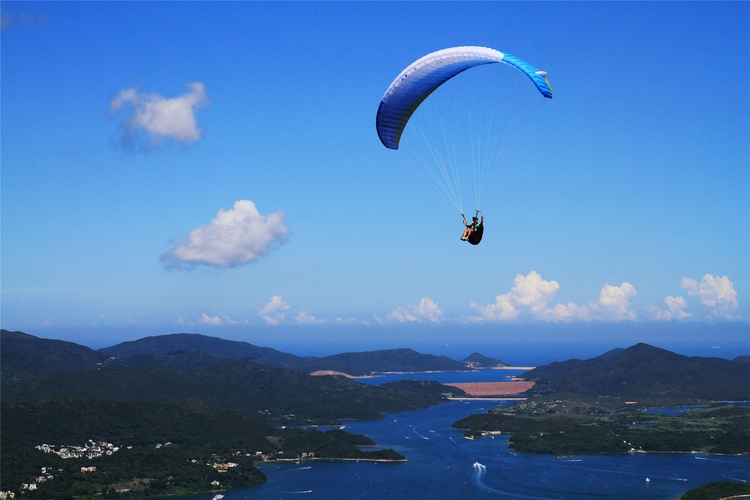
(529, 292)
(614, 303)
(272, 313)
(716, 294)
(531, 295)
(206, 320)
(305, 319)
(675, 309)
(426, 310)
(157, 117)
(236, 236)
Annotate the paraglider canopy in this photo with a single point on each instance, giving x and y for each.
(423, 76)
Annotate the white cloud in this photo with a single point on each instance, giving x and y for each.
(501, 310)
(716, 294)
(271, 312)
(614, 303)
(674, 310)
(159, 117)
(426, 310)
(207, 320)
(305, 319)
(531, 295)
(236, 236)
(566, 312)
(354, 321)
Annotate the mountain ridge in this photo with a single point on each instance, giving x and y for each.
(644, 370)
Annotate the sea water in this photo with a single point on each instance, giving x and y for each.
(443, 465)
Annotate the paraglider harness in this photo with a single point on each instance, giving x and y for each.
(475, 230)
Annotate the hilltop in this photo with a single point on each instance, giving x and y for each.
(34, 368)
(645, 371)
(179, 351)
(476, 360)
(589, 406)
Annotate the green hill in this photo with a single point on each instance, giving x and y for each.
(24, 356)
(172, 350)
(275, 394)
(159, 349)
(149, 448)
(27, 355)
(476, 360)
(393, 360)
(644, 371)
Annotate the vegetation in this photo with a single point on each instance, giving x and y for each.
(477, 360)
(275, 395)
(717, 490)
(163, 448)
(716, 430)
(23, 356)
(170, 350)
(394, 360)
(177, 421)
(648, 373)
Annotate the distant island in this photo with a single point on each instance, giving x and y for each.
(593, 406)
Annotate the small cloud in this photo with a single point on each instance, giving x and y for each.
(157, 117)
(529, 293)
(614, 303)
(183, 322)
(716, 294)
(426, 310)
(207, 320)
(675, 309)
(354, 321)
(7, 19)
(236, 236)
(45, 323)
(566, 312)
(271, 312)
(305, 319)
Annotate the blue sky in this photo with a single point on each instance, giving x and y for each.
(214, 168)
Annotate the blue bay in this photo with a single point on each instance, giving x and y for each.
(441, 464)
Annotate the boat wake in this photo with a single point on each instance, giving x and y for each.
(477, 479)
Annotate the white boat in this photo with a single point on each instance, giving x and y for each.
(218, 497)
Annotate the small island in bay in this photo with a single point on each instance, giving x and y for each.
(600, 405)
(715, 430)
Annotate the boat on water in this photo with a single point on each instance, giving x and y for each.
(217, 497)
(478, 465)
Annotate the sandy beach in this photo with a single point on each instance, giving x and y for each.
(493, 388)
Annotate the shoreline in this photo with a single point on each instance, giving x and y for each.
(302, 461)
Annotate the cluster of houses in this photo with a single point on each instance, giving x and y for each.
(44, 476)
(91, 449)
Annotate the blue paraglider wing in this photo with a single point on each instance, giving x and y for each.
(422, 77)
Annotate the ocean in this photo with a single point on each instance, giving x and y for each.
(443, 465)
